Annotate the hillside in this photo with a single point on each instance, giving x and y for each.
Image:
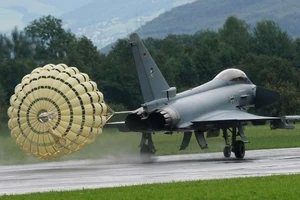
(211, 14)
(20, 13)
(103, 21)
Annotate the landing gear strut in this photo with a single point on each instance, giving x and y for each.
(236, 146)
(147, 149)
(227, 149)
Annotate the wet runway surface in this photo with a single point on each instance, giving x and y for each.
(68, 175)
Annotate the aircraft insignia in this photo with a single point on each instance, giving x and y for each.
(152, 72)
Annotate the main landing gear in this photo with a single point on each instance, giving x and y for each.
(147, 149)
(236, 146)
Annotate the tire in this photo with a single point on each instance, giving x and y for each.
(227, 151)
(239, 149)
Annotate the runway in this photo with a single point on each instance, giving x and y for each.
(69, 175)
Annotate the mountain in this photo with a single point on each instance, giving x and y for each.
(20, 13)
(103, 21)
(211, 14)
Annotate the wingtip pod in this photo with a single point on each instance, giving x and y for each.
(55, 111)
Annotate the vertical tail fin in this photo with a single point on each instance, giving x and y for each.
(151, 80)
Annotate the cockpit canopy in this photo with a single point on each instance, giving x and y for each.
(234, 75)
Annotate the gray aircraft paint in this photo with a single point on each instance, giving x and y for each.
(217, 102)
(151, 80)
(220, 104)
(204, 105)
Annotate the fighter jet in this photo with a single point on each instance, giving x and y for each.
(219, 105)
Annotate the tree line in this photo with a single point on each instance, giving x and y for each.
(267, 54)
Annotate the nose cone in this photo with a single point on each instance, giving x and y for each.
(264, 97)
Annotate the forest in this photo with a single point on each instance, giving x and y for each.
(211, 14)
(266, 53)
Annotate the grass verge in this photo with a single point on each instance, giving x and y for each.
(114, 143)
(271, 187)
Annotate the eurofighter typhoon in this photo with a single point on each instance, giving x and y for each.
(219, 105)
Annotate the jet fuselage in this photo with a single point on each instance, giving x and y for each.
(177, 113)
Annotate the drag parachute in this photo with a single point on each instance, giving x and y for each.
(55, 111)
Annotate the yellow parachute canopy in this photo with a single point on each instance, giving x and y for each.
(56, 110)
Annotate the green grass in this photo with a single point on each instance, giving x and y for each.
(113, 143)
(271, 187)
